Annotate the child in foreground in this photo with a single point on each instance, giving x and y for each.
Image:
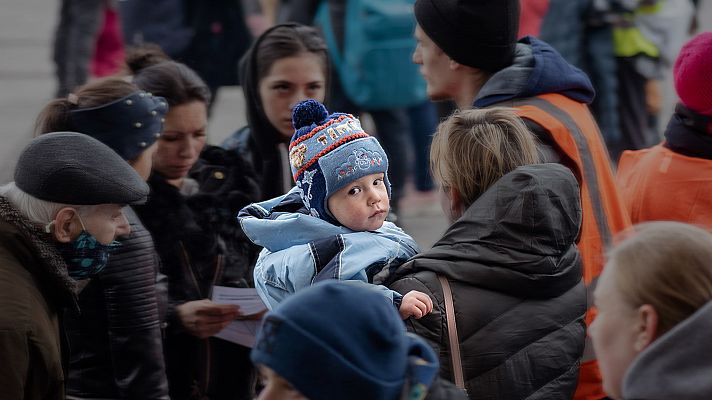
(320, 344)
(331, 225)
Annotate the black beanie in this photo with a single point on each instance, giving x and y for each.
(477, 33)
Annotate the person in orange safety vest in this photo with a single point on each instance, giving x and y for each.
(673, 180)
(469, 53)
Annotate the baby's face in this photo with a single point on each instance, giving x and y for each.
(362, 205)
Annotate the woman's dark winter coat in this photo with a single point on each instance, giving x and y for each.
(517, 286)
(201, 245)
(115, 343)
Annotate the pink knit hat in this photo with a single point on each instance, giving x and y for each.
(693, 74)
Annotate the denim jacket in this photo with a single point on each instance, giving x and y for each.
(300, 250)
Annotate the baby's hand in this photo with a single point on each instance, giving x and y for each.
(415, 304)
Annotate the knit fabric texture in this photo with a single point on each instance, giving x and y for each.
(692, 71)
(327, 152)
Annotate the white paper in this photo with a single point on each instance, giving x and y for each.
(241, 331)
(246, 298)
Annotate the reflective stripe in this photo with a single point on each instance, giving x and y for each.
(589, 169)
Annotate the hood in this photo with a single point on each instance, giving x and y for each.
(284, 222)
(517, 238)
(678, 365)
(537, 69)
(264, 135)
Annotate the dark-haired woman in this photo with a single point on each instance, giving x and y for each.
(196, 191)
(286, 64)
(115, 349)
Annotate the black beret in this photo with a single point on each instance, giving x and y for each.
(73, 168)
(477, 33)
(127, 125)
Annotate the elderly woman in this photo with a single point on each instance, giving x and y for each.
(506, 277)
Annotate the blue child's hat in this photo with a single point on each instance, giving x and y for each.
(338, 340)
(329, 151)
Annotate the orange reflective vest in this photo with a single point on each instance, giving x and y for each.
(578, 140)
(648, 179)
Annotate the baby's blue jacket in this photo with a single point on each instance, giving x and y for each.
(300, 249)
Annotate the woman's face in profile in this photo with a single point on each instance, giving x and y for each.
(289, 81)
(615, 332)
(182, 140)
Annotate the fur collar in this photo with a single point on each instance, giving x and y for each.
(53, 268)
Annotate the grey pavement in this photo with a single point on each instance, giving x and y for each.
(27, 84)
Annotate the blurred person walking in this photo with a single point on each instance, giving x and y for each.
(210, 37)
(646, 41)
(74, 42)
(682, 163)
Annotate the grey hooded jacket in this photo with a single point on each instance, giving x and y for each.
(678, 365)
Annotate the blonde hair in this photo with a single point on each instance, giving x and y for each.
(667, 265)
(473, 149)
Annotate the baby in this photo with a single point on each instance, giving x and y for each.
(331, 225)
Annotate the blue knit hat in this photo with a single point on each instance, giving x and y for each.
(329, 151)
(337, 340)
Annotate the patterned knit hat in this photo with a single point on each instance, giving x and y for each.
(692, 74)
(329, 151)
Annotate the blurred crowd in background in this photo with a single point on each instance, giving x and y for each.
(626, 47)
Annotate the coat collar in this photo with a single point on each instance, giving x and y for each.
(51, 270)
